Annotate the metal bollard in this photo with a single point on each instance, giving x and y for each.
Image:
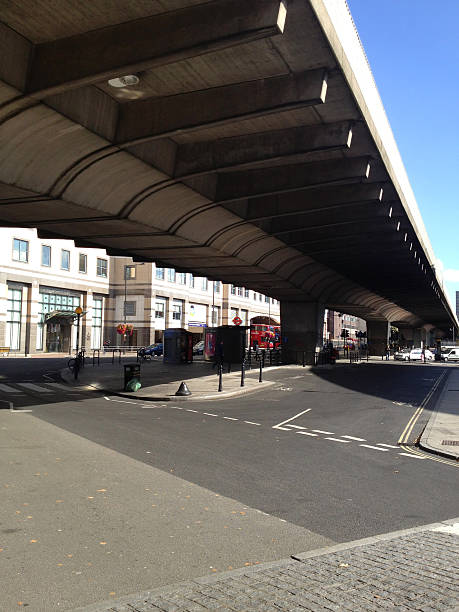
(220, 377)
(242, 373)
(304, 359)
(229, 368)
(260, 377)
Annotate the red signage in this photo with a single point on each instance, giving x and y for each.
(237, 320)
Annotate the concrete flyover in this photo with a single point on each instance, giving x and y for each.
(254, 148)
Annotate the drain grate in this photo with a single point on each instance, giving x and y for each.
(450, 442)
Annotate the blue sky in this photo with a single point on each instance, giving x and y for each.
(413, 50)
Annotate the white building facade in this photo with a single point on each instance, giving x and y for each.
(42, 282)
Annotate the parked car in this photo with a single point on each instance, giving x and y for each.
(198, 348)
(402, 355)
(152, 350)
(452, 355)
(416, 355)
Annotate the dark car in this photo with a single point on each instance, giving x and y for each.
(198, 348)
(152, 350)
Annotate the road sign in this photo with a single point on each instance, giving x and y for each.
(237, 320)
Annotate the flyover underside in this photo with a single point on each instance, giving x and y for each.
(241, 154)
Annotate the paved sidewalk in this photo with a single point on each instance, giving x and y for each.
(442, 432)
(161, 381)
(415, 569)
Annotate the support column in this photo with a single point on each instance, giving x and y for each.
(406, 336)
(301, 330)
(378, 337)
(417, 338)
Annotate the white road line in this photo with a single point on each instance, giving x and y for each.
(412, 456)
(283, 428)
(189, 410)
(120, 401)
(306, 433)
(298, 426)
(35, 387)
(210, 414)
(278, 426)
(338, 440)
(230, 419)
(387, 445)
(354, 438)
(328, 433)
(251, 423)
(56, 385)
(385, 450)
(8, 389)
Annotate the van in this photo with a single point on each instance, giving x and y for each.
(453, 355)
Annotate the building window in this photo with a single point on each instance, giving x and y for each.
(215, 315)
(130, 272)
(266, 299)
(246, 293)
(13, 319)
(191, 281)
(254, 295)
(65, 260)
(205, 284)
(20, 250)
(217, 285)
(45, 255)
(260, 297)
(182, 278)
(83, 263)
(160, 273)
(244, 316)
(233, 290)
(129, 309)
(240, 291)
(159, 310)
(177, 312)
(102, 268)
(171, 275)
(233, 314)
(96, 340)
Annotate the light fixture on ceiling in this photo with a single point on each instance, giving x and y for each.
(124, 81)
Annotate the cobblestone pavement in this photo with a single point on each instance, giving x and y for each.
(416, 569)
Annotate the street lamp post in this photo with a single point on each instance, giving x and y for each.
(78, 311)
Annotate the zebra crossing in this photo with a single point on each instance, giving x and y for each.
(45, 388)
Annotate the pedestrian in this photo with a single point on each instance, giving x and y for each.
(387, 352)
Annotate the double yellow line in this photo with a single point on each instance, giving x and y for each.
(412, 422)
(404, 438)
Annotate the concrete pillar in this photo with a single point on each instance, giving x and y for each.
(417, 338)
(378, 337)
(301, 330)
(406, 338)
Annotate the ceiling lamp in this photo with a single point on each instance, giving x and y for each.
(124, 81)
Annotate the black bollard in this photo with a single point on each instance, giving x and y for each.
(304, 359)
(260, 377)
(242, 373)
(220, 377)
(229, 368)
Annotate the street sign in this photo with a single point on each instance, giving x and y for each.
(237, 320)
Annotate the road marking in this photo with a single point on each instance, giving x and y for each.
(298, 426)
(189, 410)
(8, 389)
(307, 433)
(119, 401)
(412, 456)
(387, 445)
(412, 422)
(283, 428)
(385, 450)
(210, 414)
(252, 423)
(33, 387)
(354, 438)
(338, 440)
(278, 426)
(230, 419)
(328, 433)
(56, 385)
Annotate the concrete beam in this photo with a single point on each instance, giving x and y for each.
(133, 46)
(134, 122)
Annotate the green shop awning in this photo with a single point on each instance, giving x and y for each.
(61, 316)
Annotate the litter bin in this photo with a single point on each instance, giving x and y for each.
(132, 377)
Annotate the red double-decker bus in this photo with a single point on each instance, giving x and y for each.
(265, 336)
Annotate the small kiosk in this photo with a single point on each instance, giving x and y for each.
(178, 346)
(231, 340)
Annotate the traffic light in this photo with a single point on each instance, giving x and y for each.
(344, 333)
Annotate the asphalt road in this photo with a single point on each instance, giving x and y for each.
(312, 461)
